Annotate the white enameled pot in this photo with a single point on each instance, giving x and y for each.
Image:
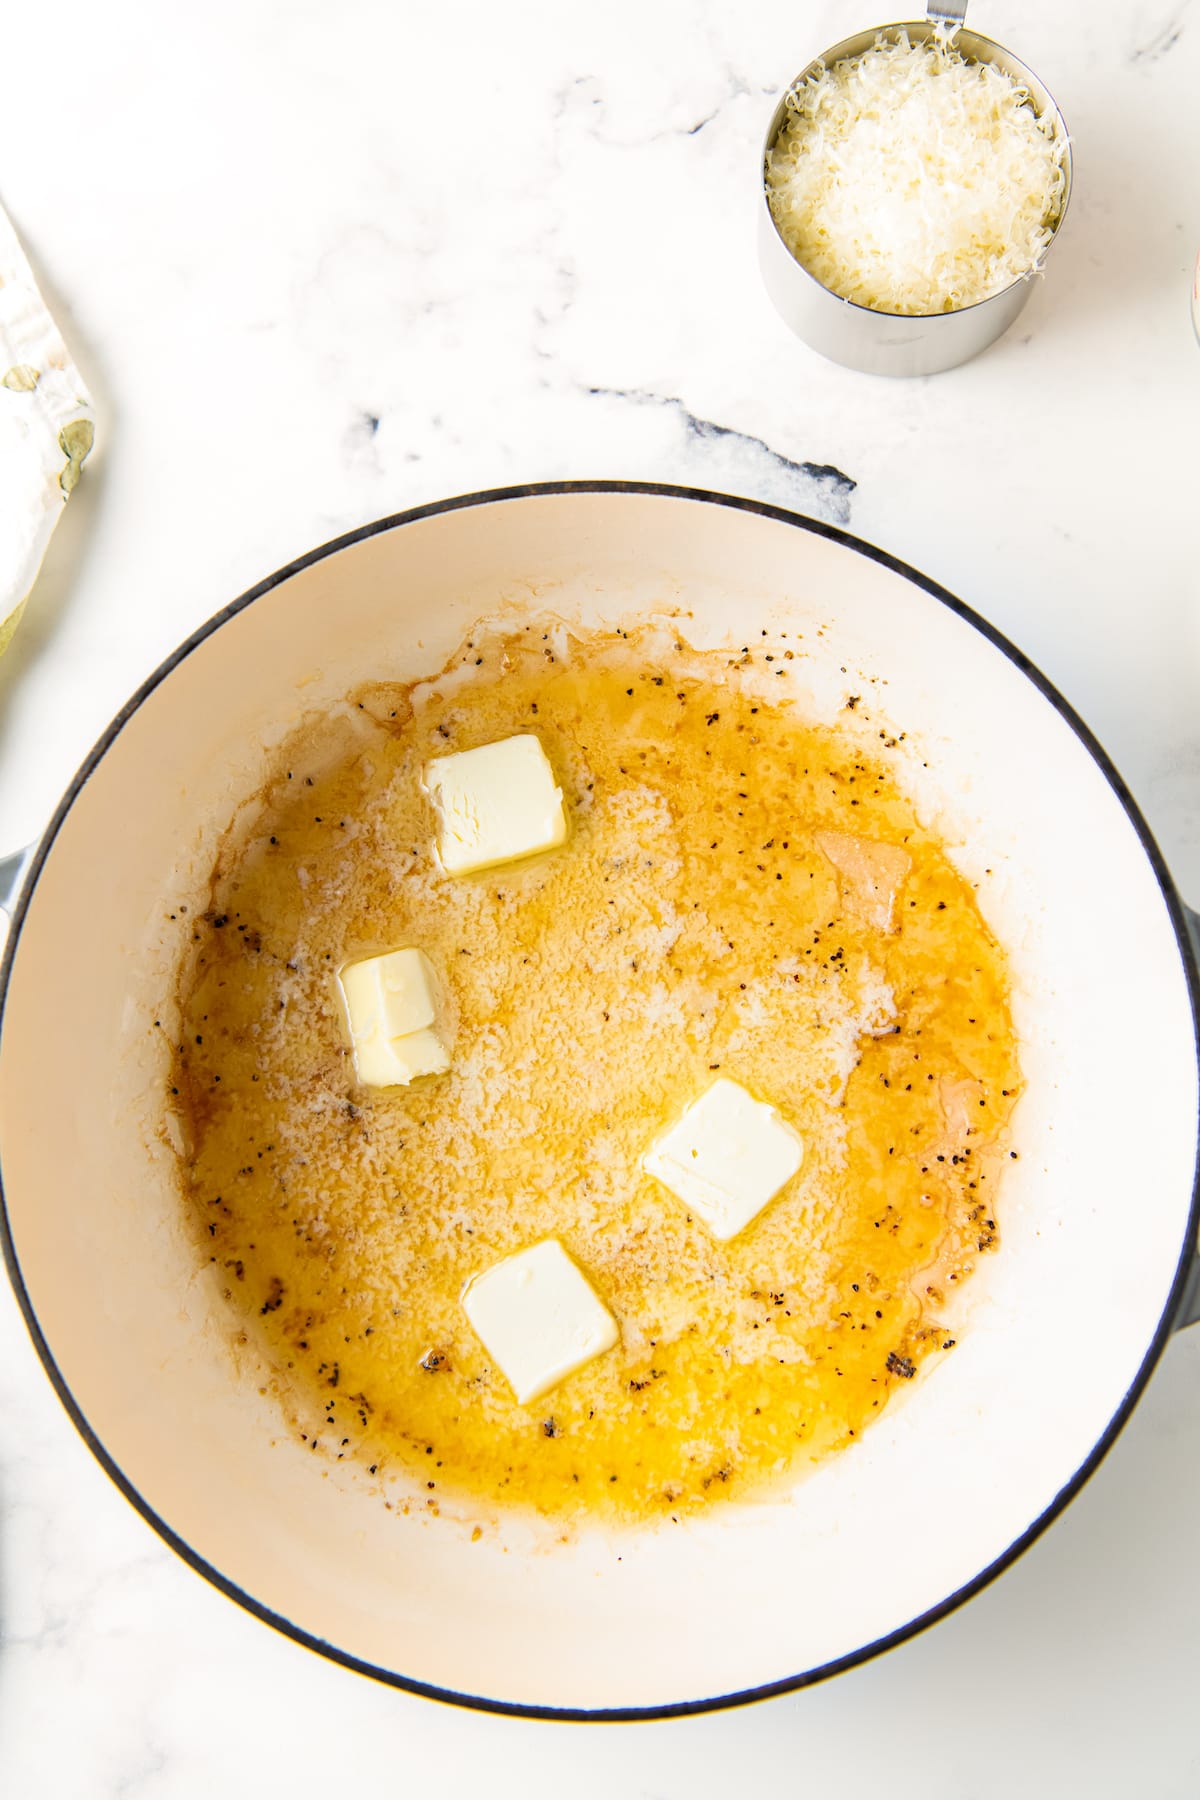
(1058, 1332)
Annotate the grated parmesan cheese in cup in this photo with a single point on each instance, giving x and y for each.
(912, 181)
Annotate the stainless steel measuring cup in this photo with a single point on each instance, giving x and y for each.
(880, 343)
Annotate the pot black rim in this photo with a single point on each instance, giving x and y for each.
(912, 1627)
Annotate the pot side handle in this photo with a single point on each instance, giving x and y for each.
(12, 874)
(1189, 1307)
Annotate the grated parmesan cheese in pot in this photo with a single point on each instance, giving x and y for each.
(692, 927)
(912, 181)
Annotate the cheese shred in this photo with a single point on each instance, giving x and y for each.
(913, 181)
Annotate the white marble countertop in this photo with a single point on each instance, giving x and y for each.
(320, 263)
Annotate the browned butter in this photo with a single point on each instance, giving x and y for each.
(691, 924)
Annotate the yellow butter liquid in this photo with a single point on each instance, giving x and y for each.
(689, 926)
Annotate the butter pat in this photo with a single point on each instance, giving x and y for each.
(539, 1317)
(727, 1157)
(391, 1006)
(495, 804)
